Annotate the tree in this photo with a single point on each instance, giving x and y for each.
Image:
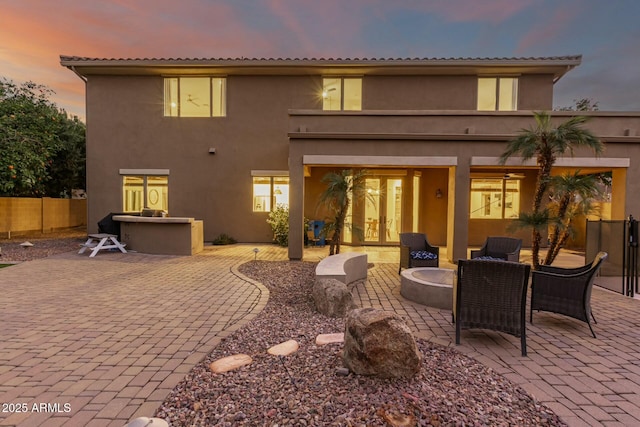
(582, 104)
(341, 189)
(572, 196)
(546, 143)
(68, 165)
(42, 149)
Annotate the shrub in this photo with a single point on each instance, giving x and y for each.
(279, 222)
(224, 239)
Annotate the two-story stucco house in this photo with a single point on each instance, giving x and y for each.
(226, 140)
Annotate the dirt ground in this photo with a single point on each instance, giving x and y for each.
(44, 244)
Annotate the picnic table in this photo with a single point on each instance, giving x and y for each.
(101, 241)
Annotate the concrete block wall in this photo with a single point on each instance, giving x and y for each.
(24, 214)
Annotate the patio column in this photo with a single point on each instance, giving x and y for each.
(619, 194)
(296, 208)
(458, 207)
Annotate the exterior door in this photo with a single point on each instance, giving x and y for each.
(383, 210)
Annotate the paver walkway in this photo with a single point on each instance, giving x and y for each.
(586, 381)
(107, 338)
(112, 335)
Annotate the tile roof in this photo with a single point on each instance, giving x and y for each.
(66, 58)
(555, 65)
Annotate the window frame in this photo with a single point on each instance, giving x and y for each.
(502, 199)
(145, 174)
(500, 82)
(341, 92)
(172, 96)
(272, 197)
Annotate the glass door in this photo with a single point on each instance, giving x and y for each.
(383, 210)
(372, 212)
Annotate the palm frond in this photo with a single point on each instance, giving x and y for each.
(537, 220)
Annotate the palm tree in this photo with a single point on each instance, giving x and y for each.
(341, 188)
(572, 195)
(546, 143)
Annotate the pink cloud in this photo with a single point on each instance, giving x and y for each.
(330, 28)
(34, 34)
(493, 11)
(548, 30)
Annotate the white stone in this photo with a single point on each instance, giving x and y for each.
(324, 339)
(147, 422)
(284, 349)
(230, 363)
(26, 244)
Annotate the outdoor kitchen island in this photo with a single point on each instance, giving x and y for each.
(161, 235)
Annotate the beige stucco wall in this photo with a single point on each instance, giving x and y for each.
(445, 134)
(127, 130)
(215, 188)
(273, 121)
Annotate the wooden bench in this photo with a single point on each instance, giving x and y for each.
(345, 267)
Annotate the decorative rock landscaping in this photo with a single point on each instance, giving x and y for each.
(380, 343)
(309, 389)
(332, 297)
(230, 363)
(147, 422)
(284, 349)
(324, 339)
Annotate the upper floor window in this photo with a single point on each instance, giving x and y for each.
(497, 94)
(195, 96)
(342, 94)
(495, 198)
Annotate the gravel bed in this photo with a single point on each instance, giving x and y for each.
(303, 389)
(44, 245)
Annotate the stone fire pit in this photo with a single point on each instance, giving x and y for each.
(428, 286)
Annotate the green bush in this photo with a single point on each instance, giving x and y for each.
(279, 222)
(224, 239)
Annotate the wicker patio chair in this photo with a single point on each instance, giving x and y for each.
(506, 248)
(415, 251)
(566, 291)
(492, 295)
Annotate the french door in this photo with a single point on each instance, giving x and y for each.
(383, 210)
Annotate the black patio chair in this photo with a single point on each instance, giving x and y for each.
(566, 291)
(506, 248)
(492, 295)
(415, 251)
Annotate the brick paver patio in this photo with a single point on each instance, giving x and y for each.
(111, 336)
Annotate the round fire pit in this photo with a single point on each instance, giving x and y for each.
(428, 286)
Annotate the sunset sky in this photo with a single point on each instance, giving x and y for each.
(34, 33)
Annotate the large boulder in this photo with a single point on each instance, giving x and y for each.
(332, 297)
(379, 343)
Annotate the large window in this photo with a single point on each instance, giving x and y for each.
(145, 191)
(342, 94)
(269, 192)
(497, 94)
(494, 198)
(195, 96)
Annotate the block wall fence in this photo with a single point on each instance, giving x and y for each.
(22, 214)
